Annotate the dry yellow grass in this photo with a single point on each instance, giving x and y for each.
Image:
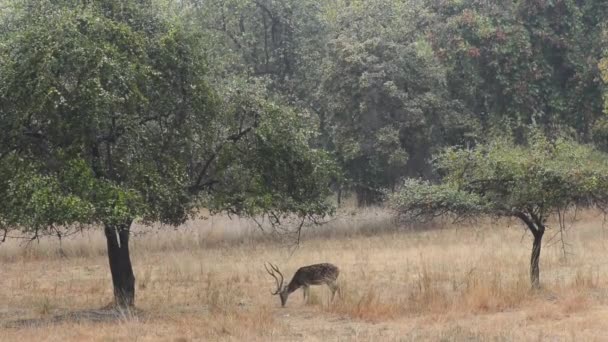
(206, 281)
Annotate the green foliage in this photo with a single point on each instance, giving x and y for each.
(384, 92)
(603, 66)
(275, 40)
(28, 191)
(600, 128)
(273, 171)
(393, 82)
(108, 115)
(102, 84)
(422, 200)
(530, 62)
(504, 179)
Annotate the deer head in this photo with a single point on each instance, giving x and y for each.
(281, 290)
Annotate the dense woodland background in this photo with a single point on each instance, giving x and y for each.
(391, 82)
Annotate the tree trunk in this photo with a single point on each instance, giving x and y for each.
(366, 196)
(535, 259)
(123, 279)
(536, 226)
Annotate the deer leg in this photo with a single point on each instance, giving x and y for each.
(305, 291)
(333, 286)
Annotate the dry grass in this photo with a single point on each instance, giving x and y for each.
(205, 281)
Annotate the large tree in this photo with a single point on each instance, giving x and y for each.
(278, 40)
(107, 116)
(515, 63)
(600, 128)
(529, 183)
(383, 94)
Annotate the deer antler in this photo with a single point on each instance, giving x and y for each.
(272, 273)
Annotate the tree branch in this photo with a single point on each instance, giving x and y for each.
(265, 9)
(538, 220)
(528, 221)
(198, 184)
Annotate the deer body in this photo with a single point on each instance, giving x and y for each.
(306, 276)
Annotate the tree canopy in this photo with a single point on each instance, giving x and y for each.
(385, 95)
(392, 82)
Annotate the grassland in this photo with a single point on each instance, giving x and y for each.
(206, 281)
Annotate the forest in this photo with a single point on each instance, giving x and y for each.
(390, 83)
(287, 116)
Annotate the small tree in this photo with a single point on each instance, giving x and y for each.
(107, 117)
(501, 179)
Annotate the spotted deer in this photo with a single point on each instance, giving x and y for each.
(317, 274)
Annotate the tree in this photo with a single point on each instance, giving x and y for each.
(277, 40)
(604, 69)
(107, 117)
(383, 94)
(529, 183)
(525, 62)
